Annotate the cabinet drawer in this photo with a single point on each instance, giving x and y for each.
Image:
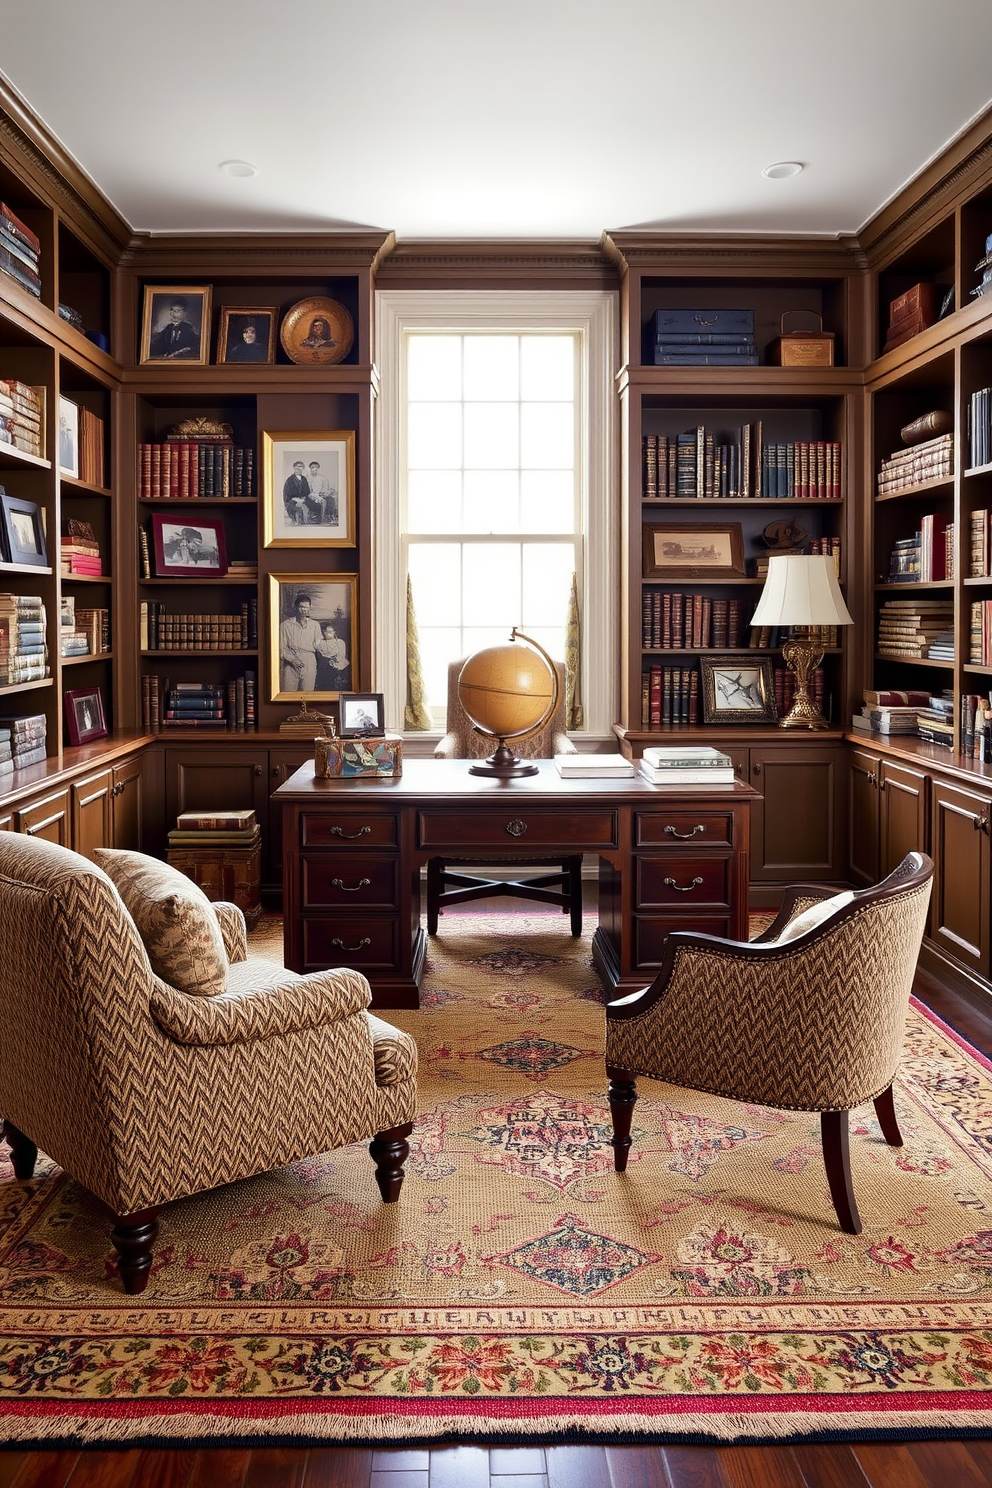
(517, 830)
(349, 828)
(359, 941)
(333, 881)
(651, 933)
(670, 828)
(689, 881)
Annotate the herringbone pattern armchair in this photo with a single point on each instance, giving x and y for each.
(145, 1094)
(809, 1023)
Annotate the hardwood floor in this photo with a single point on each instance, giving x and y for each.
(944, 1464)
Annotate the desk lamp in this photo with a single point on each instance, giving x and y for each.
(802, 592)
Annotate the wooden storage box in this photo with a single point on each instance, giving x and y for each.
(350, 759)
(802, 348)
(226, 872)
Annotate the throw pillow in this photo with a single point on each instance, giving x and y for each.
(815, 915)
(175, 919)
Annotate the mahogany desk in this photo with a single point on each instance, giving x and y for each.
(670, 858)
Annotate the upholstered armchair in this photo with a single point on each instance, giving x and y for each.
(808, 1016)
(145, 1093)
(462, 741)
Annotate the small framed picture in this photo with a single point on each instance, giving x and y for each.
(189, 549)
(23, 531)
(696, 550)
(68, 437)
(247, 333)
(360, 715)
(738, 688)
(84, 715)
(308, 489)
(313, 641)
(175, 325)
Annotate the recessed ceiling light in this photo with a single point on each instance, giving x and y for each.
(782, 169)
(238, 168)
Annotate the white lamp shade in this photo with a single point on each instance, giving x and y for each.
(801, 590)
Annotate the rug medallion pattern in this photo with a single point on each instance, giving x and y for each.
(520, 1289)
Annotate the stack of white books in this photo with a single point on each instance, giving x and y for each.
(687, 764)
(592, 766)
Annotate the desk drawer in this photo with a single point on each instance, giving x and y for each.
(667, 882)
(672, 828)
(650, 934)
(517, 829)
(348, 829)
(360, 941)
(340, 882)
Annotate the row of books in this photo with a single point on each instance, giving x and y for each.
(701, 464)
(186, 469)
(976, 725)
(23, 742)
(927, 556)
(84, 630)
(917, 464)
(23, 647)
(980, 427)
(916, 629)
(818, 546)
(90, 458)
(22, 416)
(980, 545)
(20, 251)
(230, 705)
(771, 637)
(669, 695)
(980, 642)
(675, 621)
(161, 630)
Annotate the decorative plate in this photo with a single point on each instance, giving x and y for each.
(317, 330)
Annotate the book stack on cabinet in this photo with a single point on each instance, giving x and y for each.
(703, 338)
(221, 851)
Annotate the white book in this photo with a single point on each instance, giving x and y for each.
(592, 766)
(682, 756)
(707, 775)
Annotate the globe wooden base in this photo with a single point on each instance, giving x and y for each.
(503, 764)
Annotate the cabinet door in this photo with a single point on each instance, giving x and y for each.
(48, 818)
(212, 778)
(863, 816)
(902, 815)
(797, 833)
(959, 908)
(92, 812)
(127, 803)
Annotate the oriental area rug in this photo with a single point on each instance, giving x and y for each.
(520, 1290)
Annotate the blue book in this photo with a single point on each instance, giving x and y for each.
(708, 322)
(714, 359)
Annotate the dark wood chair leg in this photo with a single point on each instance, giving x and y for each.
(389, 1152)
(435, 883)
(885, 1110)
(837, 1159)
(622, 1095)
(23, 1152)
(133, 1238)
(573, 868)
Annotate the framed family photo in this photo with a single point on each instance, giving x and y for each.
(68, 437)
(22, 531)
(247, 333)
(360, 715)
(175, 325)
(313, 640)
(308, 489)
(695, 550)
(738, 689)
(185, 549)
(84, 717)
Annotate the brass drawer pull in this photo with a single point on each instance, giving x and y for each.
(360, 946)
(516, 828)
(349, 836)
(684, 836)
(682, 888)
(363, 883)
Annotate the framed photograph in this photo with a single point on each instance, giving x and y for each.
(313, 635)
(189, 549)
(308, 489)
(738, 688)
(247, 333)
(68, 437)
(23, 531)
(360, 715)
(175, 325)
(696, 550)
(84, 715)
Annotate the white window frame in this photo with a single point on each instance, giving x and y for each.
(592, 314)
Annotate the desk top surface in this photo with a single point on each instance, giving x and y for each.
(435, 781)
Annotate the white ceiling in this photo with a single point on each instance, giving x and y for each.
(525, 118)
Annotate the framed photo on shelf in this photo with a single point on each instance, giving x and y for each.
(360, 715)
(84, 715)
(23, 531)
(313, 641)
(247, 333)
(738, 688)
(189, 549)
(308, 489)
(175, 325)
(694, 550)
(68, 437)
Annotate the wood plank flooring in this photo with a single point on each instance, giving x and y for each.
(945, 1464)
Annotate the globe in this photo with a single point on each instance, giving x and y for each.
(508, 692)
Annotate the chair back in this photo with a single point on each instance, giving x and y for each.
(461, 741)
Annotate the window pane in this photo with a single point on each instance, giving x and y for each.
(547, 501)
(547, 577)
(547, 436)
(492, 367)
(492, 501)
(435, 574)
(434, 367)
(547, 367)
(492, 439)
(434, 501)
(438, 647)
(491, 593)
(434, 436)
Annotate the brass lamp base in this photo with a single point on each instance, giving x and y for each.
(802, 657)
(503, 764)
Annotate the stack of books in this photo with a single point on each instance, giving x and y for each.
(691, 622)
(905, 468)
(22, 416)
(20, 251)
(935, 722)
(704, 338)
(79, 551)
(907, 628)
(686, 764)
(26, 735)
(195, 705)
(911, 313)
(890, 711)
(205, 829)
(593, 766)
(23, 649)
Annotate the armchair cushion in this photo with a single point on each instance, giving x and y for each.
(394, 1054)
(262, 1000)
(815, 915)
(175, 919)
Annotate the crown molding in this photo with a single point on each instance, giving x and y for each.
(674, 252)
(504, 261)
(330, 253)
(954, 176)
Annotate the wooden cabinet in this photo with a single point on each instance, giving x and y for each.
(887, 814)
(92, 812)
(799, 832)
(960, 907)
(128, 803)
(48, 817)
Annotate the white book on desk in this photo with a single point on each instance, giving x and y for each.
(592, 766)
(685, 757)
(707, 775)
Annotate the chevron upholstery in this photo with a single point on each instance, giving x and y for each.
(145, 1094)
(814, 1024)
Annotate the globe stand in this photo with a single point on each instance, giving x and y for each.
(503, 764)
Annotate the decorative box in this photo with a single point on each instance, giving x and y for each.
(347, 759)
(802, 348)
(225, 871)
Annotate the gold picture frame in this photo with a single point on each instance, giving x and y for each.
(175, 324)
(246, 335)
(304, 506)
(738, 688)
(305, 659)
(693, 550)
